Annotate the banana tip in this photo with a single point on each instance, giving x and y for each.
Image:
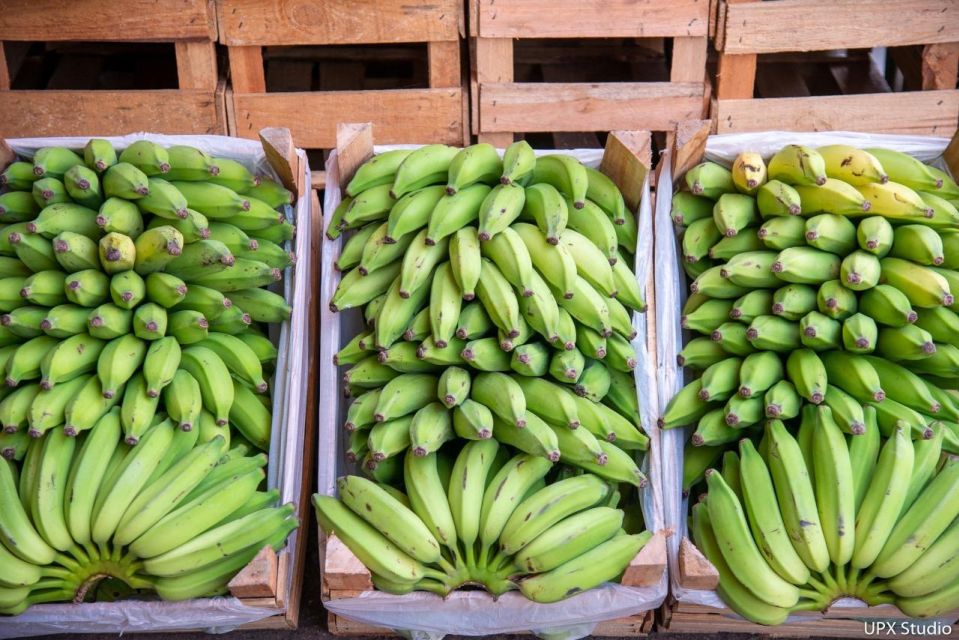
(152, 393)
(379, 417)
(816, 397)
(521, 423)
(46, 385)
(70, 431)
(132, 440)
(553, 456)
(34, 433)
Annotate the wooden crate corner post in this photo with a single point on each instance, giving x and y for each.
(627, 159)
(258, 579)
(354, 146)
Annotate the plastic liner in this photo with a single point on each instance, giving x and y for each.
(284, 470)
(671, 289)
(425, 615)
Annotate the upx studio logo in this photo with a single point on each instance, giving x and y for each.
(906, 628)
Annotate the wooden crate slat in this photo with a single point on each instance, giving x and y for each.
(82, 113)
(579, 19)
(659, 106)
(689, 59)
(940, 65)
(444, 64)
(196, 64)
(810, 25)
(928, 113)
(246, 69)
(405, 115)
(287, 22)
(107, 20)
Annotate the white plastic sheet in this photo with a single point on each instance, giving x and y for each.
(214, 615)
(425, 615)
(671, 290)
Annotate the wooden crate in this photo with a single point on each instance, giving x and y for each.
(627, 159)
(196, 107)
(502, 107)
(433, 114)
(689, 569)
(273, 580)
(922, 36)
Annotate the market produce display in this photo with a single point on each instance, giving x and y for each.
(826, 415)
(494, 409)
(135, 408)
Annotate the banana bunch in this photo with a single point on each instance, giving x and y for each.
(498, 303)
(483, 518)
(798, 522)
(823, 288)
(174, 515)
(132, 285)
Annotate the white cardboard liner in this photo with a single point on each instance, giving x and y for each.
(221, 614)
(671, 290)
(426, 615)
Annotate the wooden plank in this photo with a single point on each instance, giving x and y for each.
(940, 66)
(695, 571)
(196, 64)
(931, 113)
(403, 115)
(735, 76)
(626, 160)
(257, 579)
(493, 63)
(281, 154)
(647, 567)
(444, 64)
(689, 59)
(318, 179)
(81, 113)
(287, 22)
(810, 25)
(246, 69)
(354, 146)
(629, 627)
(106, 20)
(588, 107)
(340, 626)
(4, 69)
(689, 144)
(579, 19)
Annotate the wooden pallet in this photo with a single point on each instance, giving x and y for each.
(690, 569)
(433, 114)
(627, 159)
(501, 106)
(923, 37)
(195, 107)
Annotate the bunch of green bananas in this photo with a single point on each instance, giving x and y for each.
(801, 521)
(484, 518)
(171, 515)
(113, 275)
(135, 280)
(823, 284)
(499, 304)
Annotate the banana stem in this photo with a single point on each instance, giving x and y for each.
(817, 604)
(852, 580)
(865, 582)
(841, 579)
(483, 557)
(438, 587)
(470, 556)
(817, 585)
(51, 571)
(67, 562)
(435, 575)
(79, 554)
(447, 567)
(830, 581)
